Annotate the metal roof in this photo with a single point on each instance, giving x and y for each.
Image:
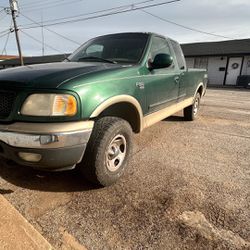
(7, 57)
(232, 47)
(35, 60)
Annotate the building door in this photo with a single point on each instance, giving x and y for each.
(233, 70)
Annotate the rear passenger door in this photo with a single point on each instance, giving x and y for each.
(161, 85)
(181, 68)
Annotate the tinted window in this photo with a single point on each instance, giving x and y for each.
(94, 50)
(159, 46)
(124, 48)
(179, 55)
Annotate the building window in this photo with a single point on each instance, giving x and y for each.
(201, 63)
(248, 63)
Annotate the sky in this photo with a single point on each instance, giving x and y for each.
(228, 18)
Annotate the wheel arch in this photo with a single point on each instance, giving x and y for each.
(123, 106)
(200, 89)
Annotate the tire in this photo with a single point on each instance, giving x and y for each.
(192, 111)
(108, 151)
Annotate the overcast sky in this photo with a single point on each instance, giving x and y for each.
(229, 18)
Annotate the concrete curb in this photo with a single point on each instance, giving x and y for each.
(16, 232)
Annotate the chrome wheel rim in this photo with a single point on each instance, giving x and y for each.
(196, 105)
(116, 153)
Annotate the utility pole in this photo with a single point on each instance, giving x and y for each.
(43, 47)
(14, 10)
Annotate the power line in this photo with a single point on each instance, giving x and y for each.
(5, 34)
(4, 31)
(32, 3)
(47, 45)
(3, 13)
(7, 39)
(184, 26)
(6, 43)
(51, 5)
(52, 31)
(66, 38)
(133, 8)
(99, 11)
(1, 19)
(44, 3)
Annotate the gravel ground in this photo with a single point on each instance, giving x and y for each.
(187, 188)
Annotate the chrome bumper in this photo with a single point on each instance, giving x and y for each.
(55, 146)
(46, 135)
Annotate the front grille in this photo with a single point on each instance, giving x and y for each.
(6, 103)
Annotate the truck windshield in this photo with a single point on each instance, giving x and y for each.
(117, 48)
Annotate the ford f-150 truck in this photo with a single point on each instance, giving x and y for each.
(83, 111)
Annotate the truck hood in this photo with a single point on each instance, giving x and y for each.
(50, 75)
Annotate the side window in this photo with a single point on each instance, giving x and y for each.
(159, 46)
(179, 55)
(94, 50)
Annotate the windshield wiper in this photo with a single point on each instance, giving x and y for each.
(97, 59)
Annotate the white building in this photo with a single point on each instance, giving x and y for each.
(227, 62)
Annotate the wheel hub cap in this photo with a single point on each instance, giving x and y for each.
(116, 153)
(196, 106)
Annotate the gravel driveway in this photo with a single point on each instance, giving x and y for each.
(187, 188)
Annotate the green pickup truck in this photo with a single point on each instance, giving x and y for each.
(83, 111)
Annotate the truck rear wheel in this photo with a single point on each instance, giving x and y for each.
(191, 112)
(108, 151)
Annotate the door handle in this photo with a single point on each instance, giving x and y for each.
(140, 85)
(177, 79)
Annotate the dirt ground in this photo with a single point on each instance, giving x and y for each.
(187, 188)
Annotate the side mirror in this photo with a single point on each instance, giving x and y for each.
(161, 61)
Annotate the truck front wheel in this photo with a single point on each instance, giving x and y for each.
(191, 112)
(108, 151)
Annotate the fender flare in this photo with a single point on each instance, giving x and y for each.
(201, 84)
(119, 99)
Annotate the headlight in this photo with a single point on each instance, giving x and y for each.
(49, 105)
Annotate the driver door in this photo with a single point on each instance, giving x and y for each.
(161, 85)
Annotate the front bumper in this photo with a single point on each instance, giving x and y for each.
(55, 146)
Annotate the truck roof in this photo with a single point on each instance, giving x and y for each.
(135, 33)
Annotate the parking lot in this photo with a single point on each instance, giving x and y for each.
(187, 187)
